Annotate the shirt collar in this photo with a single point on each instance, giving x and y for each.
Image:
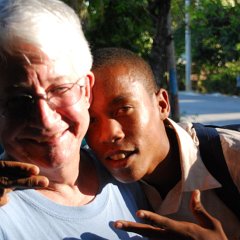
(194, 173)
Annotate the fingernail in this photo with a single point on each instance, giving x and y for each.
(140, 214)
(44, 182)
(35, 170)
(118, 225)
(197, 195)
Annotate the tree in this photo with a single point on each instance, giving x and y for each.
(215, 44)
(159, 11)
(139, 25)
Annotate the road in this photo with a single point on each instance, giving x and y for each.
(209, 108)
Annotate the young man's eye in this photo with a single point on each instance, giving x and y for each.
(124, 110)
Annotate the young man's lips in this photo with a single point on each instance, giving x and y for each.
(120, 155)
(119, 160)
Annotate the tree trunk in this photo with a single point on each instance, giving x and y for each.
(173, 86)
(159, 10)
(162, 57)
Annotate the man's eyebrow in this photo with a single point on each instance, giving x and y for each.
(24, 85)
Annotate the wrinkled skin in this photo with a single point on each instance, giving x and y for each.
(49, 138)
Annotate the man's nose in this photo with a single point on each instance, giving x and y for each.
(111, 131)
(43, 116)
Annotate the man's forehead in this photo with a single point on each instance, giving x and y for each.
(113, 69)
(23, 50)
(32, 54)
(119, 92)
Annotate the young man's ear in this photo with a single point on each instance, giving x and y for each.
(163, 102)
(90, 79)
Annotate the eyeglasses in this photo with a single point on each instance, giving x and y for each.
(22, 105)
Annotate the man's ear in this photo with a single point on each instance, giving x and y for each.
(90, 79)
(163, 102)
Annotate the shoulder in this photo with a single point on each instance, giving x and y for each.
(16, 204)
(230, 141)
(12, 212)
(229, 137)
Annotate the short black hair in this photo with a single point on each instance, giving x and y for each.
(105, 57)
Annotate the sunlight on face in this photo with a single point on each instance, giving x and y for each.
(126, 129)
(47, 137)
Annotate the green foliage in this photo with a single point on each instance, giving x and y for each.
(223, 82)
(215, 33)
(178, 26)
(222, 79)
(120, 23)
(215, 37)
(215, 44)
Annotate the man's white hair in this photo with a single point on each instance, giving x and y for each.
(50, 25)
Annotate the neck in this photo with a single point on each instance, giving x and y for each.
(78, 192)
(168, 172)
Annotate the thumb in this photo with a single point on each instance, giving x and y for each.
(200, 213)
(4, 196)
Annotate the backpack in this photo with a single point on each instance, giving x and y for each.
(213, 158)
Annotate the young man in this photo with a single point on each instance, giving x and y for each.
(45, 92)
(133, 137)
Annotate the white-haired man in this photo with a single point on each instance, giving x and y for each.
(45, 94)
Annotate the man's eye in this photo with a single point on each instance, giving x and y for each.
(124, 110)
(59, 90)
(19, 101)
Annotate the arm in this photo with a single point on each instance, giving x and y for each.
(19, 175)
(166, 228)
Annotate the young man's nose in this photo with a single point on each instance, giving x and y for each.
(110, 131)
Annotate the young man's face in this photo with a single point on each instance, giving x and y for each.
(126, 124)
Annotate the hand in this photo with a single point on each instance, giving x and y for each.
(19, 175)
(166, 228)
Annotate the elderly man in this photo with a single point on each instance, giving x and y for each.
(45, 94)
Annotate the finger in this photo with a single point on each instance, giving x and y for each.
(3, 200)
(155, 219)
(149, 231)
(140, 228)
(203, 217)
(24, 183)
(173, 228)
(4, 196)
(2, 192)
(12, 168)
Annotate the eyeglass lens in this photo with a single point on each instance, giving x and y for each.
(23, 105)
(20, 107)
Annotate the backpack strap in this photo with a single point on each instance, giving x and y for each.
(213, 158)
(235, 127)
